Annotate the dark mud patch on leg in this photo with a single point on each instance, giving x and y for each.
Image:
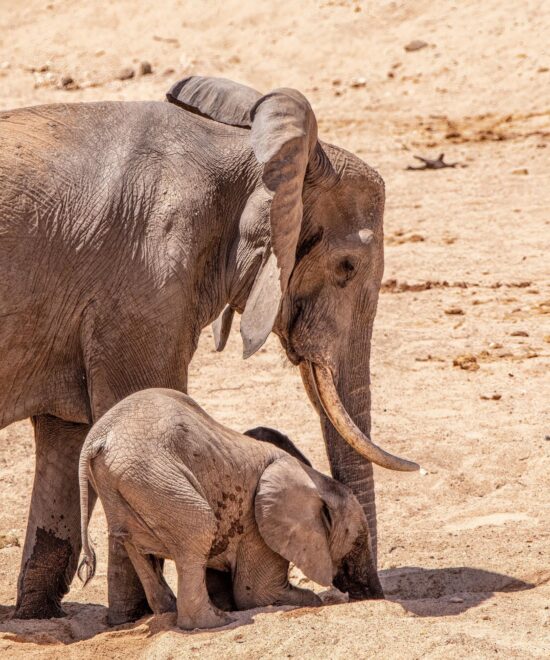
(43, 580)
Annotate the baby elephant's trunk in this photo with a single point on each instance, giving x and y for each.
(86, 569)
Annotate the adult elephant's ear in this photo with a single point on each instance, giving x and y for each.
(283, 137)
(218, 99)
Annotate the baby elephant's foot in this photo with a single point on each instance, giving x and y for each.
(297, 596)
(209, 618)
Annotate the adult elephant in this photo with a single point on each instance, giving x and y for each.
(126, 228)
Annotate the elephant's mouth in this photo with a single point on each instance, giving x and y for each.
(321, 389)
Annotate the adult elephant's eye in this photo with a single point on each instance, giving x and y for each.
(345, 270)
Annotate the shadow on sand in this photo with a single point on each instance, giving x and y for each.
(445, 591)
(421, 591)
(84, 621)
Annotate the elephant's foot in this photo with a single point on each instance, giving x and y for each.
(119, 614)
(207, 617)
(42, 583)
(297, 596)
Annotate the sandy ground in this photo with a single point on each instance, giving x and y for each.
(465, 545)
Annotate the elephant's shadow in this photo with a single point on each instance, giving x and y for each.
(421, 591)
(445, 591)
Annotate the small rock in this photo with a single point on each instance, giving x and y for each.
(542, 69)
(357, 83)
(336, 82)
(169, 71)
(491, 397)
(9, 540)
(67, 82)
(520, 170)
(145, 68)
(4, 65)
(454, 311)
(126, 74)
(547, 438)
(519, 333)
(423, 472)
(468, 362)
(415, 44)
(495, 344)
(456, 599)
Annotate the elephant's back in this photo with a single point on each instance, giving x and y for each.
(93, 132)
(166, 420)
(93, 160)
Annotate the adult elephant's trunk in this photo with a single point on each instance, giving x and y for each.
(343, 402)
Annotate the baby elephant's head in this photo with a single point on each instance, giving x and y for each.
(307, 518)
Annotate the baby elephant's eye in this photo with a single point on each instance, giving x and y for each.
(345, 270)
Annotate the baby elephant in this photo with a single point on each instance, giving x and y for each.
(176, 484)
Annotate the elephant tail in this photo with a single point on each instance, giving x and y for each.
(87, 566)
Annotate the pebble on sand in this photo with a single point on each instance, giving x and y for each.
(468, 362)
(415, 44)
(145, 68)
(126, 74)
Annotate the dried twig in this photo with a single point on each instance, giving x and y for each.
(429, 164)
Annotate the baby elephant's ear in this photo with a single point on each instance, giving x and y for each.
(280, 440)
(289, 513)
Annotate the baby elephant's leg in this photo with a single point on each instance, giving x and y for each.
(195, 609)
(261, 578)
(159, 595)
(177, 518)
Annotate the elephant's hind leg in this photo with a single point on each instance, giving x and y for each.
(52, 542)
(159, 595)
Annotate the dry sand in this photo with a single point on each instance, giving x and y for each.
(464, 546)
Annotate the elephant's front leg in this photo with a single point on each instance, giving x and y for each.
(261, 578)
(52, 542)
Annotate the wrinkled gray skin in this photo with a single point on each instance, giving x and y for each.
(175, 484)
(126, 228)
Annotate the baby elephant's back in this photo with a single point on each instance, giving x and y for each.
(161, 426)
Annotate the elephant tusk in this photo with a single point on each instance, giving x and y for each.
(346, 427)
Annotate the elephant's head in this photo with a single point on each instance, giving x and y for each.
(307, 518)
(318, 211)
